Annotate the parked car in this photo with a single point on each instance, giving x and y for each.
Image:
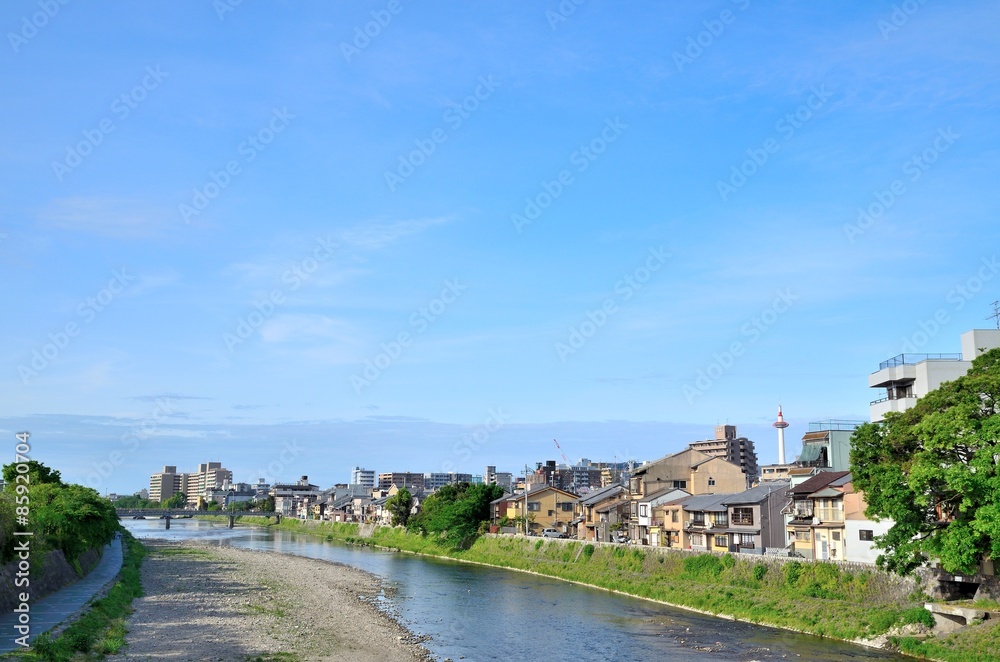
(553, 533)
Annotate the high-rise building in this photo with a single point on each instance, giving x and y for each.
(164, 484)
(411, 481)
(364, 477)
(433, 481)
(738, 450)
(210, 476)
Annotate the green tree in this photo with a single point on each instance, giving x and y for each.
(134, 501)
(933, 470)
(37, 474)
(72, 518)
(399, 505)
(457, 512)
(178, 500)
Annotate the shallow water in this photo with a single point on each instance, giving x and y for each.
(485, 613)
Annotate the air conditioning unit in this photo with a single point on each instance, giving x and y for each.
(815, 521)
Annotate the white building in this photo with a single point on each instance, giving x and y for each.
(365, 477)
(904, 378)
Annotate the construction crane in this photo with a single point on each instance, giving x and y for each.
(565, 459)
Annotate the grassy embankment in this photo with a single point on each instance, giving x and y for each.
(101, 630)
(819, 598)
(977, 643)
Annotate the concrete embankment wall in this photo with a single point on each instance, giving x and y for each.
(50, 571)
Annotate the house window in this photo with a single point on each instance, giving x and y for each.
(673, 516)
(743, 516)
(642, 510)
(697, 540)
(566, 507)
(746, 541)
(711, 481)
(698, 519)
(866, 534)
(835, 535)
(680, 484)
(721, 541)
(720, 519)
(802, 536)
(534, 506)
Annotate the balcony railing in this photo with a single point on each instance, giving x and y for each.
(829, 514)
(904, 359)
(742, 520)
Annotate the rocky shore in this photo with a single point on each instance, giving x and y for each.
(219, 603)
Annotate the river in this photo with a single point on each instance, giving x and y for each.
(483, 613)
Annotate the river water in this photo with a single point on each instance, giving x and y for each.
(485, 613)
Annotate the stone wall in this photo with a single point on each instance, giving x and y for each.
(50, 571)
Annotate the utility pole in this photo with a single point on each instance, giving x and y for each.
(996, 313)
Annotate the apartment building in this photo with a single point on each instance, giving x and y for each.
(904, 378)
(361, 476)
(409, 480)
(727, 445)
(164, 484)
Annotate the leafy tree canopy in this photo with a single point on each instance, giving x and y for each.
(37, 473)
(456, 511)
(178, 500)
(933, 470)
(400, 504)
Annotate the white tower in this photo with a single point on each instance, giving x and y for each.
(781, 425)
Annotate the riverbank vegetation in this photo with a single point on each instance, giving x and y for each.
(61, 516)
(101, 630)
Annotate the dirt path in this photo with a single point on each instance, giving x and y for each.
(220, 603)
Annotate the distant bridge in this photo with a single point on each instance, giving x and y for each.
(166, 514)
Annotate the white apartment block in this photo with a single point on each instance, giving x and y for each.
(906, 377)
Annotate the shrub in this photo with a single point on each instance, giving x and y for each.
(588, 551)
(759, 571)
(793, 571)
(728, 561)
(703, 566)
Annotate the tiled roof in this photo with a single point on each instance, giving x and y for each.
(818, 482)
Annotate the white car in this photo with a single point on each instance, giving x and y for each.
(553, 533)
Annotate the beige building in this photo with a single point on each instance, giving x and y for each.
(164, 484)
(689, 470)
(548, 508)
(738, 450)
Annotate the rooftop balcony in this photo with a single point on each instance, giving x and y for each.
(912, 359)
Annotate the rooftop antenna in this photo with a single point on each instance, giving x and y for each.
(996, 313)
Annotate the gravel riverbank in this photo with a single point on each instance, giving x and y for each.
(220, 603)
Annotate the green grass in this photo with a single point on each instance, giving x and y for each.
(976, 643)
(101, 630)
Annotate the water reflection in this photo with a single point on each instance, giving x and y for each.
(485, 613)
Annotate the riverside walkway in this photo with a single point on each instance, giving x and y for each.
(56, 607)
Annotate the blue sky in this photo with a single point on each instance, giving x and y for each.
(233, 229)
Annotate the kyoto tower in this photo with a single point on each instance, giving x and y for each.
(781, 425)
